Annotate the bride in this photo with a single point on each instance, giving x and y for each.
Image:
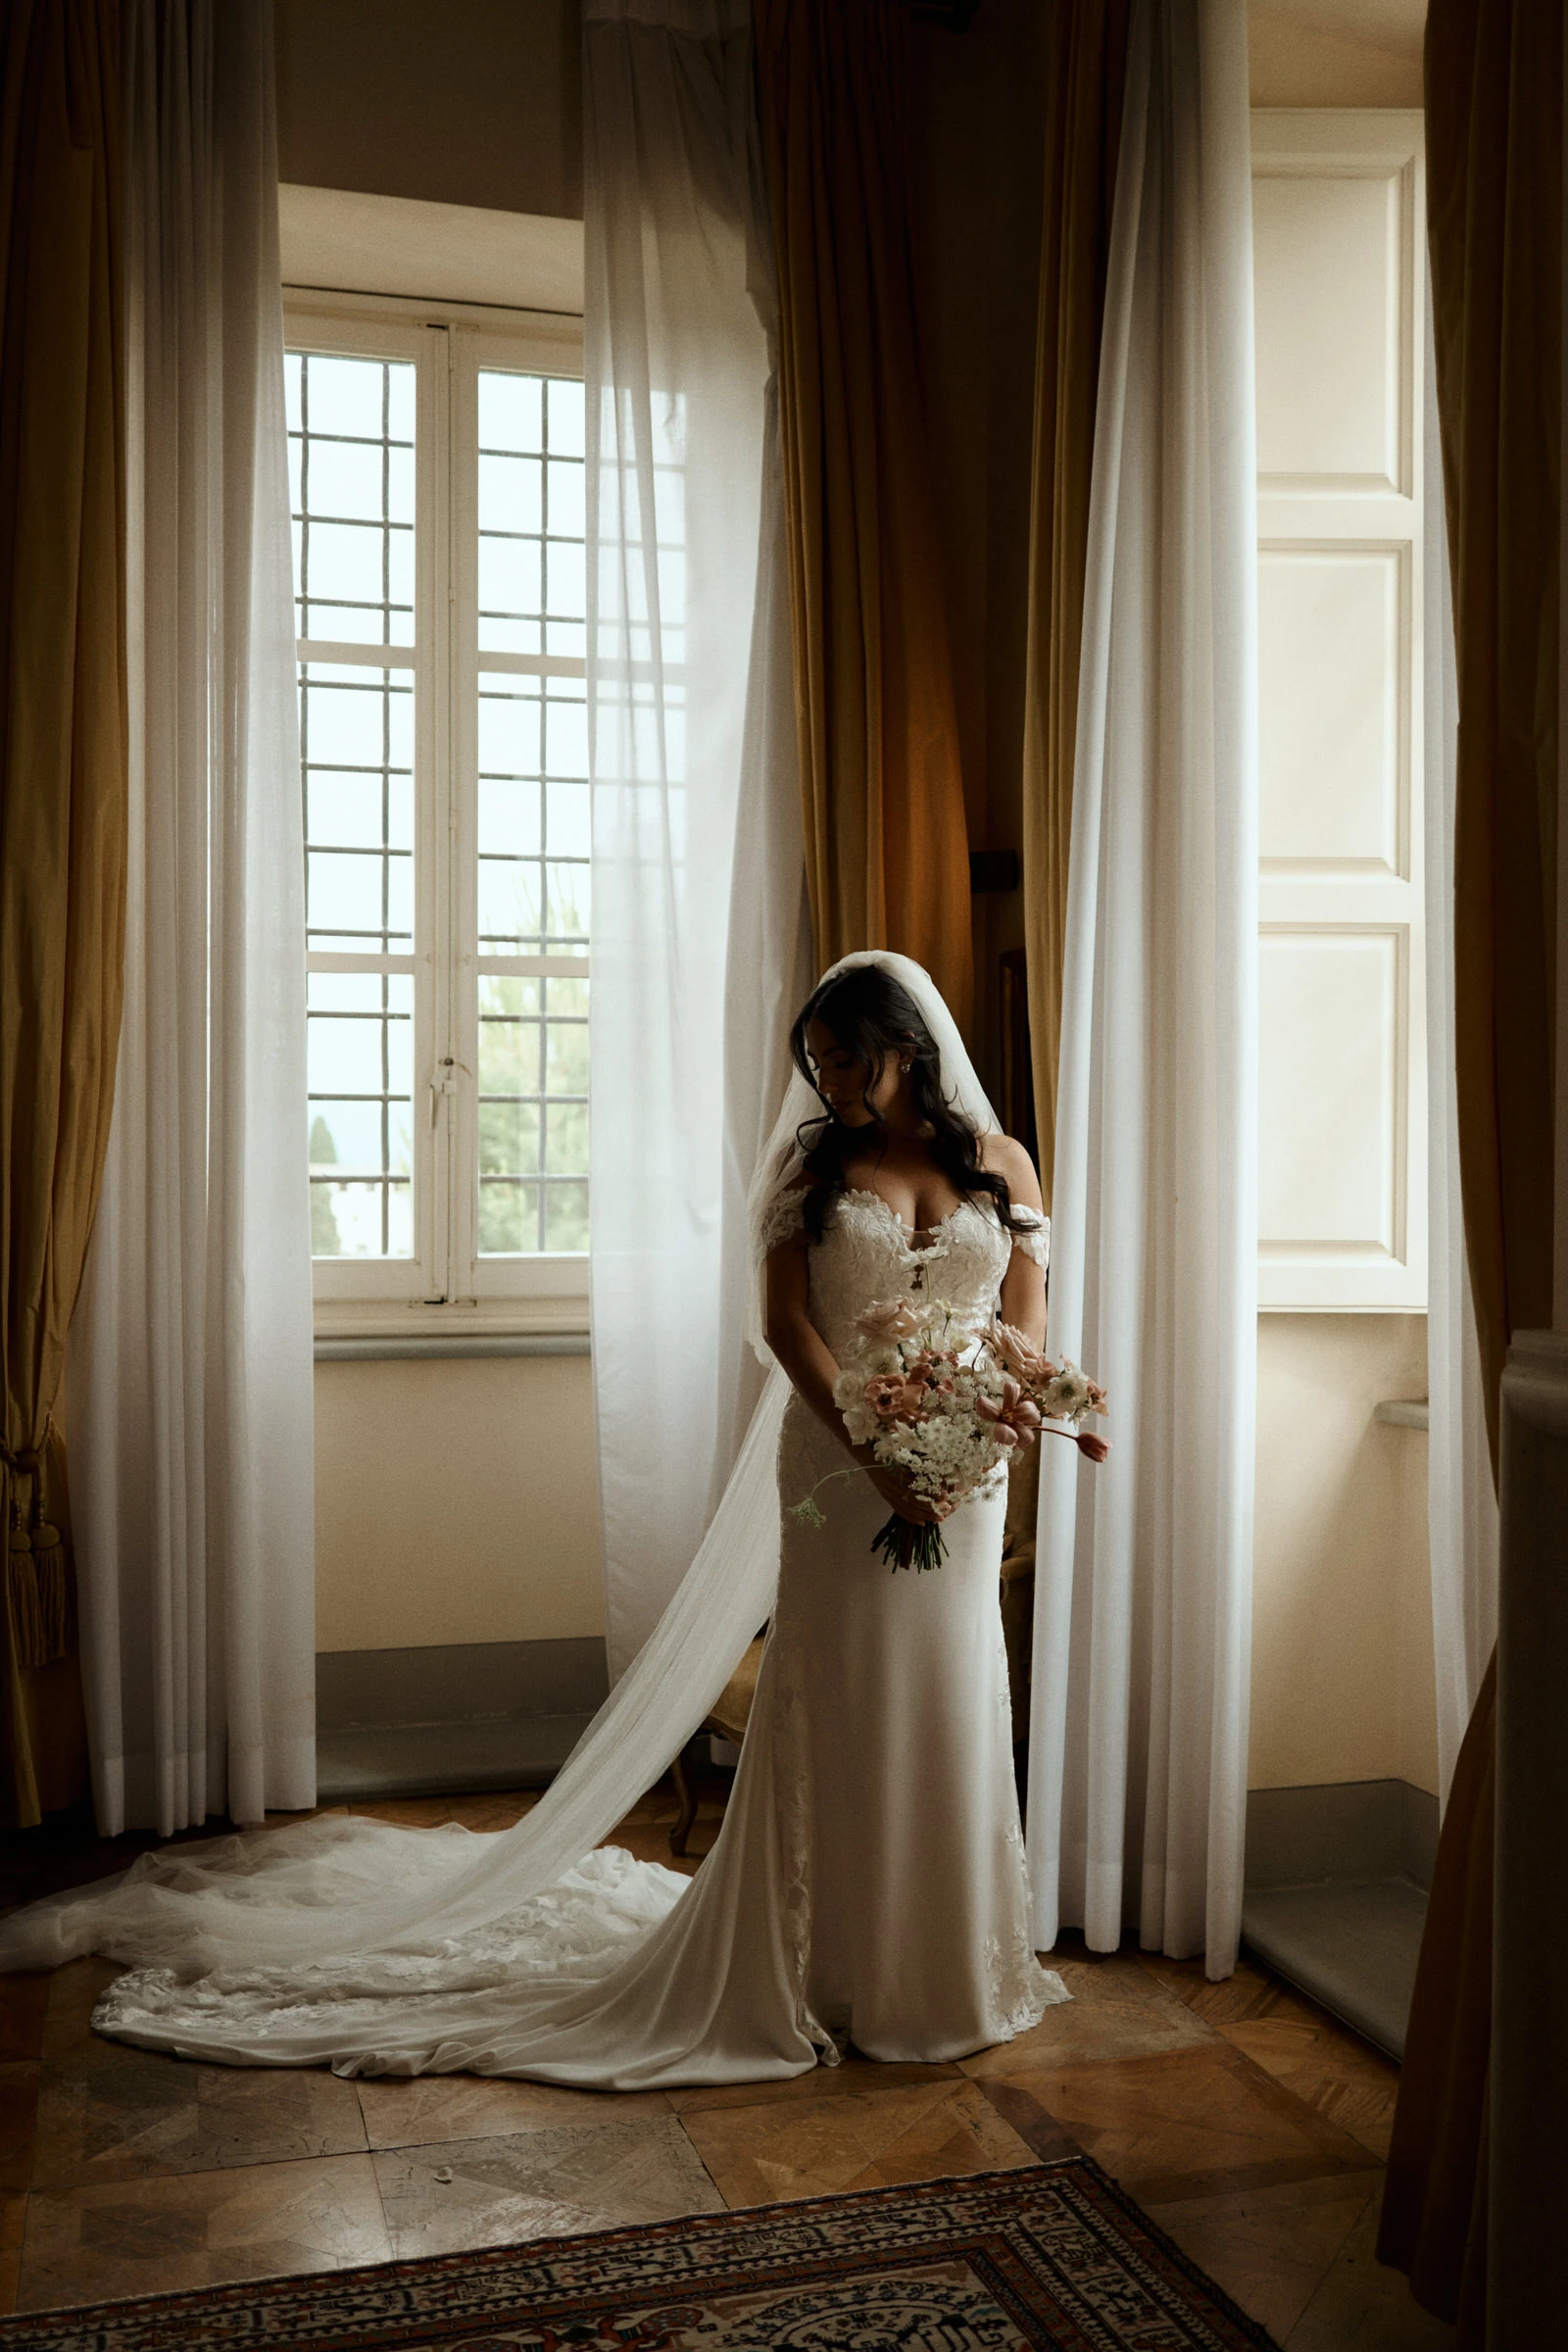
(868, 1884)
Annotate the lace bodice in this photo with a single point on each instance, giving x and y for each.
(867, 1254)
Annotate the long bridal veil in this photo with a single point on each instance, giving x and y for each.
(289, 1907)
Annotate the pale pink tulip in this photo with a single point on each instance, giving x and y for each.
(1021, 1355)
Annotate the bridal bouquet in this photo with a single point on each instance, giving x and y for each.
(945, 1404)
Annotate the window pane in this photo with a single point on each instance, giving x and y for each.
(510, 894)
(509, 1218)
(565, 728)
(567, 1057)
(511, 714)
(564, 592)
(355, 731)
(359, 1043)
(347, 1136)
(563, 490)
(344, 726)
(350, 468)
(351, 423)
(346, 479)
(361, 1220)
(511, 492)
(534, 823)
(566, 416)
(343, 396)
(568, 1139)
(511, 818)
(531, 587)
(509, 576)
(508, 1057)
(348, 809)
(533, 1116)
(570, 829)
(508, 1139)
(566, 1216)
(511, 411)
(567, 904)
(509, 999)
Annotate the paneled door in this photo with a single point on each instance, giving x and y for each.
(1340, 284)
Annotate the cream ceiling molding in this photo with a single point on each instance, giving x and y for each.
(1394, 25)
(1340, 53)
(353, 243)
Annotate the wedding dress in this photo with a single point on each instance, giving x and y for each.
(868, 1881)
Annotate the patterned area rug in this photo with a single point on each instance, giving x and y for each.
(1054, 2257)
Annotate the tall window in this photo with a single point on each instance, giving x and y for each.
(439, 575)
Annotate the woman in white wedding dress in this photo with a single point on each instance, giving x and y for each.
(868, 1884)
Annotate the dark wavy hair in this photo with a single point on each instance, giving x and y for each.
(868, 1012)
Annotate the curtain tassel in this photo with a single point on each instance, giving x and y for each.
(38, 1597)
(40, 1601)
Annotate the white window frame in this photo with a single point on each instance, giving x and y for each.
(446, 1289)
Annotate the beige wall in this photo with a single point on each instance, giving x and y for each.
(1342, 1616)
(458, 101)
(454, 1501)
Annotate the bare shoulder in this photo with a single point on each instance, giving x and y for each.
(1001, 1156)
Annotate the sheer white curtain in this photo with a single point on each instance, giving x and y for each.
(191, 1412)
(698, 865)
(1461, 1496)
(1138, 1762)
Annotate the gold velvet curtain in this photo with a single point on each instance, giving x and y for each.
(881, 782)
(1493, 173)
(62, 800)
(1086, 66)
(1494, 128)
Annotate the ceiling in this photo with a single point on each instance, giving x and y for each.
(1393, 26)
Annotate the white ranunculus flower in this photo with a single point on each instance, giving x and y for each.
(1067, 1395)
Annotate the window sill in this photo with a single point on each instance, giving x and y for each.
(391, 1349)
(371, 1330)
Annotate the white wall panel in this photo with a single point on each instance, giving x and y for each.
(1332, 255)
(1334, 710)
(1333, 1024)
(1342, 1036)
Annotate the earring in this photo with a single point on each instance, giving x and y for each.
(904, 1067)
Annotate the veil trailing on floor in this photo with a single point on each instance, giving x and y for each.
(279, 1905)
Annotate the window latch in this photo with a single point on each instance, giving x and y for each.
(444, 1081)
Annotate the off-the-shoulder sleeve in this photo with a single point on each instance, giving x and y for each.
(1032, 1235)
(782, 1221)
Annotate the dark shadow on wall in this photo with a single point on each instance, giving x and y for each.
(469, 102)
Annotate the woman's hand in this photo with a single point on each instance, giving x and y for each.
(893, 1486)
